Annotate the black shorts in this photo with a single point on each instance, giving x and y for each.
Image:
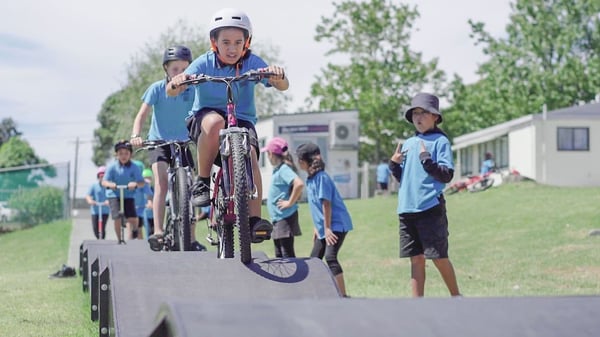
(194, 128)
(425, 233)
(163, 153)
(128, 204)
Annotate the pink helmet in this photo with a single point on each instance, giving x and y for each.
(101, 170)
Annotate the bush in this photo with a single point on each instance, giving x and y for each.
(38, 205)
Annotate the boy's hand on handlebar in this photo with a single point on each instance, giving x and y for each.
(132, 185)
(279, 73)
(178, 79)
(136, 141)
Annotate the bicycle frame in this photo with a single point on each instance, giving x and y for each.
(177, 225)
(230, 201)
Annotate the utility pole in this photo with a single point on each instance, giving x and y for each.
(75, 173)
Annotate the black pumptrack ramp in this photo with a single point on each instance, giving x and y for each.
(427, 317)
(138, 287)
(98, 257)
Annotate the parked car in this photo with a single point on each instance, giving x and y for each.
(6, 214)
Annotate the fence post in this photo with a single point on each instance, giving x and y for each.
(364, 185)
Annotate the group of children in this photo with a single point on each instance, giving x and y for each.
(422, 165)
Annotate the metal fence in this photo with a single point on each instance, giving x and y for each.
(16, 181)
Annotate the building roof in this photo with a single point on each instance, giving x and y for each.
(579, 112)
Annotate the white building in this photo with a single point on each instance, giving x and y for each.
(559, 147)
(336, 133)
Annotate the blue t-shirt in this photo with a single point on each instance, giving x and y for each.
(213, 94)
(98, 193)
(418, 190)
(318, 188)
(122, 175)
(281, 184)
(168, 119)
(487, 166)
(141, 199)
(383, 173)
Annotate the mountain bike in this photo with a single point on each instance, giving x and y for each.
(179, 211)
(233, 184)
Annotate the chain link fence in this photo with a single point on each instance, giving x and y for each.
(33, 194)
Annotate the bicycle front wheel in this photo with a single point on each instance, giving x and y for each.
(240, 192)
(182, 233)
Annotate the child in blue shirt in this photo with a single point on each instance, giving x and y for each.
(230, 37)
(330, 217)
(423, 166)
(286, 188)
(143, 197)
(383, 176)
(168, 123)
(123, 172)
(96, 198)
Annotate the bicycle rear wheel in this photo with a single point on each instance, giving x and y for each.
(240, 193)
(183, 218)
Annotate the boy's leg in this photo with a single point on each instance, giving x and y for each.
(207, 133)
(417, 275)
(446, 270)
(257, 223)
(131, 216)
(160, 194)
(287, 247)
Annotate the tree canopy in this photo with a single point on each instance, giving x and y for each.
(382, 73)
(550, 56)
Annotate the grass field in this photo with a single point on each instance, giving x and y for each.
(518, 239)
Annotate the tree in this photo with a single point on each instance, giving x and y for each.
(120, 108)
(550, 56)
(382, 75)
(8, 129)
(17, 152)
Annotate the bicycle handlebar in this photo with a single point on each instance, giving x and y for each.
(252, 75)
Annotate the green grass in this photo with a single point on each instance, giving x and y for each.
(518, 239)
(32, 304)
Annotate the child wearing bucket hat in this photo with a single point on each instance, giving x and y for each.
(423, 166)
(284, 193)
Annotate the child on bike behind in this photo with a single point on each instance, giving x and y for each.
(286, 188)
(168, 123)
(330, 216)
(230, 37)
(123, 172)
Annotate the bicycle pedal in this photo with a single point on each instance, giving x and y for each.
(212, 241)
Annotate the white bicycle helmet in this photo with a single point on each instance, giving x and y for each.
(230, 17)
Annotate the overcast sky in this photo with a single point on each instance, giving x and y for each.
(59, 60)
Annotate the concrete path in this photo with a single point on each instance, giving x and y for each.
(81, 229)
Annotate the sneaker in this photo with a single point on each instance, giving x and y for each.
(156, 242)
(200, 194)
(261, 229)
(197, 246)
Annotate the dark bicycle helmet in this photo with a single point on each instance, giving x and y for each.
(177, 53)
(123, 144)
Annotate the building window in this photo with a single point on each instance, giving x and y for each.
(573, 139)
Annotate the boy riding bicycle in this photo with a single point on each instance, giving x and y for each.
(230, 37)
(168, 123)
